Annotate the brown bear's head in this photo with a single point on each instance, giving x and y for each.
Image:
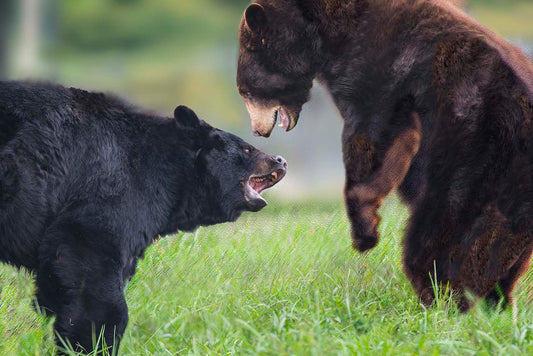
(277, 63)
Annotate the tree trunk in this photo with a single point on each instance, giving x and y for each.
(29, 41)
(3, 38)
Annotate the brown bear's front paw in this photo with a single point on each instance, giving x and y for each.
(364, 243)
(427, 296)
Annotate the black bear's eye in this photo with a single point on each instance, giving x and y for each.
(247, 150)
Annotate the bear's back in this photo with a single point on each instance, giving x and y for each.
(459, 24)
(59, 148)
(63, 145)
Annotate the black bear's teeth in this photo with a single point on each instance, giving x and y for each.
(270, 178)
(258, 179)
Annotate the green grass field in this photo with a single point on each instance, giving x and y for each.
(281, 282)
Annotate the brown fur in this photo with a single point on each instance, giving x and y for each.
(466, 170)
(367, 197)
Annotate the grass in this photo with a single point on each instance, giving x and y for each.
(281, 282)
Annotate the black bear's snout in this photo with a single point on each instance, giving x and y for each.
(281, 161)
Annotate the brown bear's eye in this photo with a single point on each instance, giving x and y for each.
(263, 41)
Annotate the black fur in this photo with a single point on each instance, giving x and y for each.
(88, 182)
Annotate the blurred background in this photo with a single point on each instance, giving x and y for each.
(159, 54)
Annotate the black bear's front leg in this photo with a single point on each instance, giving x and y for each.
(373, 172)
(80, 280)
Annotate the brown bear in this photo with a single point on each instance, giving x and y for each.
(433, 103)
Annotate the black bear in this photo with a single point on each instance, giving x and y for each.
(433, 104)
(87, 182)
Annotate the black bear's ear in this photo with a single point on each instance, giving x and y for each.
(255, 17)
(186, 116)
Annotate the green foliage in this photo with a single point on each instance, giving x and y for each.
(503, 3)
(282, 282)
(90, 25)
(508, 19)
(125, 24)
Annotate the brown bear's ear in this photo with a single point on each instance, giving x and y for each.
(186, 116)
(255, 18)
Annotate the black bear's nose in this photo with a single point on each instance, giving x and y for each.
(281, 161)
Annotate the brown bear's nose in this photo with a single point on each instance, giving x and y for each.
(281, 161)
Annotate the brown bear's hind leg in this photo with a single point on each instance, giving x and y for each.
(487, 260)
(502, 293)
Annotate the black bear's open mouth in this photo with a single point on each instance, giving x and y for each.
(260, 183)
(257, 183)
